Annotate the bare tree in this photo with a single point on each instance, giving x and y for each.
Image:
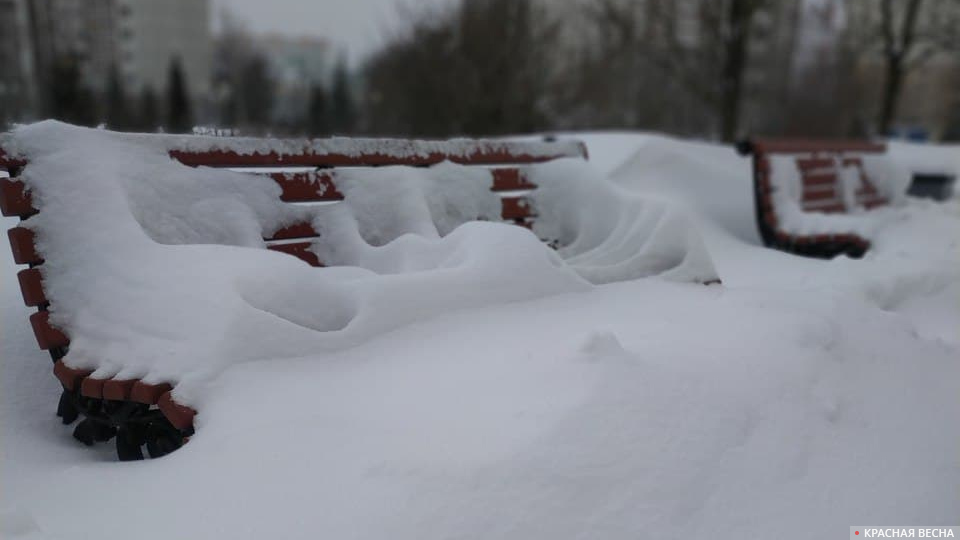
(481, 67)
(703, 45)
(906, 34)
(179, 115)
(605, 83)
(241, 77)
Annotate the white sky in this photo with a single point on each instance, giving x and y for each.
(357, 25)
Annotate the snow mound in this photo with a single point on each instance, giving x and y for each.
(150, 267)
(608, 234)
(713, 182)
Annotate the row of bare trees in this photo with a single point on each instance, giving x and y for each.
(716, 68)
(708, 68)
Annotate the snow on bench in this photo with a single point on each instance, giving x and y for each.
(141, 267)
(811, 195)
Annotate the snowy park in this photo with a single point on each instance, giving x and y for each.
(459, 378)
(479, 269)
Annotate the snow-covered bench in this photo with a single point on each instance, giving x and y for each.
(142, 413)
(808, 193)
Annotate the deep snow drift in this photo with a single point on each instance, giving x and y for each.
(802, 396)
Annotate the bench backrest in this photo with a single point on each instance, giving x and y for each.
(819, 164)
(507, 161)
(316, 177)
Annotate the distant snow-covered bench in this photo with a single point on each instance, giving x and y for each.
(810, 195)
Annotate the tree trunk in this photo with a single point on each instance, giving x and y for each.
(897, 48)
(735, 62)
(891, 92)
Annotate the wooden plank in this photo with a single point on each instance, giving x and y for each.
(31, 286)
(118, 390)
(297, 230)
(180, 416)
(47, 336)
(92, 388)
(510, 179)
(70, 377)
(148, 394)
(15, 200)
(819, 195)
(819, 179)
(395, 152)
(516, 208)
(23, 246)
(307, 186)
(10, 162)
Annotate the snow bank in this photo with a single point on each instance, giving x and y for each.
(608, 234)
(150, 270)
(712, 181)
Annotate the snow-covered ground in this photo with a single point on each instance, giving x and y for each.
(798, 398)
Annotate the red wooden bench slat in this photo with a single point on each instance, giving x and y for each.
(23, 246)
(510, 179)
(297, 230)
(31, 285)
(771, 219)
(516, 208)
(307, 186)
(819, 179)
(148, 394)
(819, 195)
(180, 416)
(92, 388)
(118, 390)
(10, 162)
(479, 153)
(47, 336)
(813, 163)
(69, 377)
(15, 200)
(301, 250)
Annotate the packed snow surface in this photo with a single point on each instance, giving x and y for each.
(801, 396)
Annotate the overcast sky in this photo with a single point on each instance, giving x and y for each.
(357, 25)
